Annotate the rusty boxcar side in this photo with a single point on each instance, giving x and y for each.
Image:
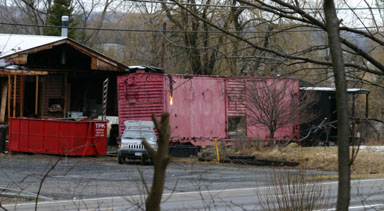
(202, 107)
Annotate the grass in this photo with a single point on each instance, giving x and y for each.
(335, 177)
(368, 164)
(368, 161)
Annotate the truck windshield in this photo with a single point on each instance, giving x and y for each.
(135, 134)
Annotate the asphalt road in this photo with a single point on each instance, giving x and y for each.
(102, 177)
(102, 184)
(229, 199)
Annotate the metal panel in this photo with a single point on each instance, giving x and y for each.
(139, 96)
(198, 110)
(59, 137)
(14, 43)
(201, 105)
(236, 95)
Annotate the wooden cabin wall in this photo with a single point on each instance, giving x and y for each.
(53, 93)
(3, 99)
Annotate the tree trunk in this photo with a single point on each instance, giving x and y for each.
(332, 27)
(160, 162)
(271, 136)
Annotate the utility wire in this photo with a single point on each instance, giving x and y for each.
(241, 6)
(170, 31)
(148, 30)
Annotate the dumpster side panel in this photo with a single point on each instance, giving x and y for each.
(66, 135)
(100, 137)
(32, 132)
(50, 134)
(139, 96)
(57, 137)
(96, 144)
(23, 136)
(77, 138)
(13, 135)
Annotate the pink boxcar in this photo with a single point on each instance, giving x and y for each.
(202, 107)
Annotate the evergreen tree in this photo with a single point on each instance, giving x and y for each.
(60, 8)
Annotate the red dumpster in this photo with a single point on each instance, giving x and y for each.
(61, 137)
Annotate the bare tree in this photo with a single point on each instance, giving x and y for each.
(276, 103)
(160, 161)
(42, 181)
(314, 20)
(100, 22)
(343, 133)
(36, 13)
(201, 48)
(25, 11)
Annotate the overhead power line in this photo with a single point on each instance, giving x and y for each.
(241, 6)
(149, 30)
(170, 31)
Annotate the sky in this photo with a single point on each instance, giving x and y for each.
(361, 15)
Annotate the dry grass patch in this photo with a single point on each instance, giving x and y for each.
(190, 160)
(335, 177)
(374, 141)
(368, 161)
(322, 158)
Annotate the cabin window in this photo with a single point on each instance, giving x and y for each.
(55, 105)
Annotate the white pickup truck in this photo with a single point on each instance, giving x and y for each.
(130, 145)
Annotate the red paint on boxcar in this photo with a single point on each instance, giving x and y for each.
(202, 109)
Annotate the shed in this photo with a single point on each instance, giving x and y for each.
(326, 122)
(52, 76)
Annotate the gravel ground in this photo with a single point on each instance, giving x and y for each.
(92, 177)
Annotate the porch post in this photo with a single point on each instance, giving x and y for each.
(21, 96)
(9, 95)
(14, 94)
(37, 95)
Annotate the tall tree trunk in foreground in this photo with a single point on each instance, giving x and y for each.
(160, 161)
(332, 27)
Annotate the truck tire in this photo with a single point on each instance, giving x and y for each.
(150, 161)
(120, 159)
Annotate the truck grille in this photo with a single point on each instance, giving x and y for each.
(134, 146)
